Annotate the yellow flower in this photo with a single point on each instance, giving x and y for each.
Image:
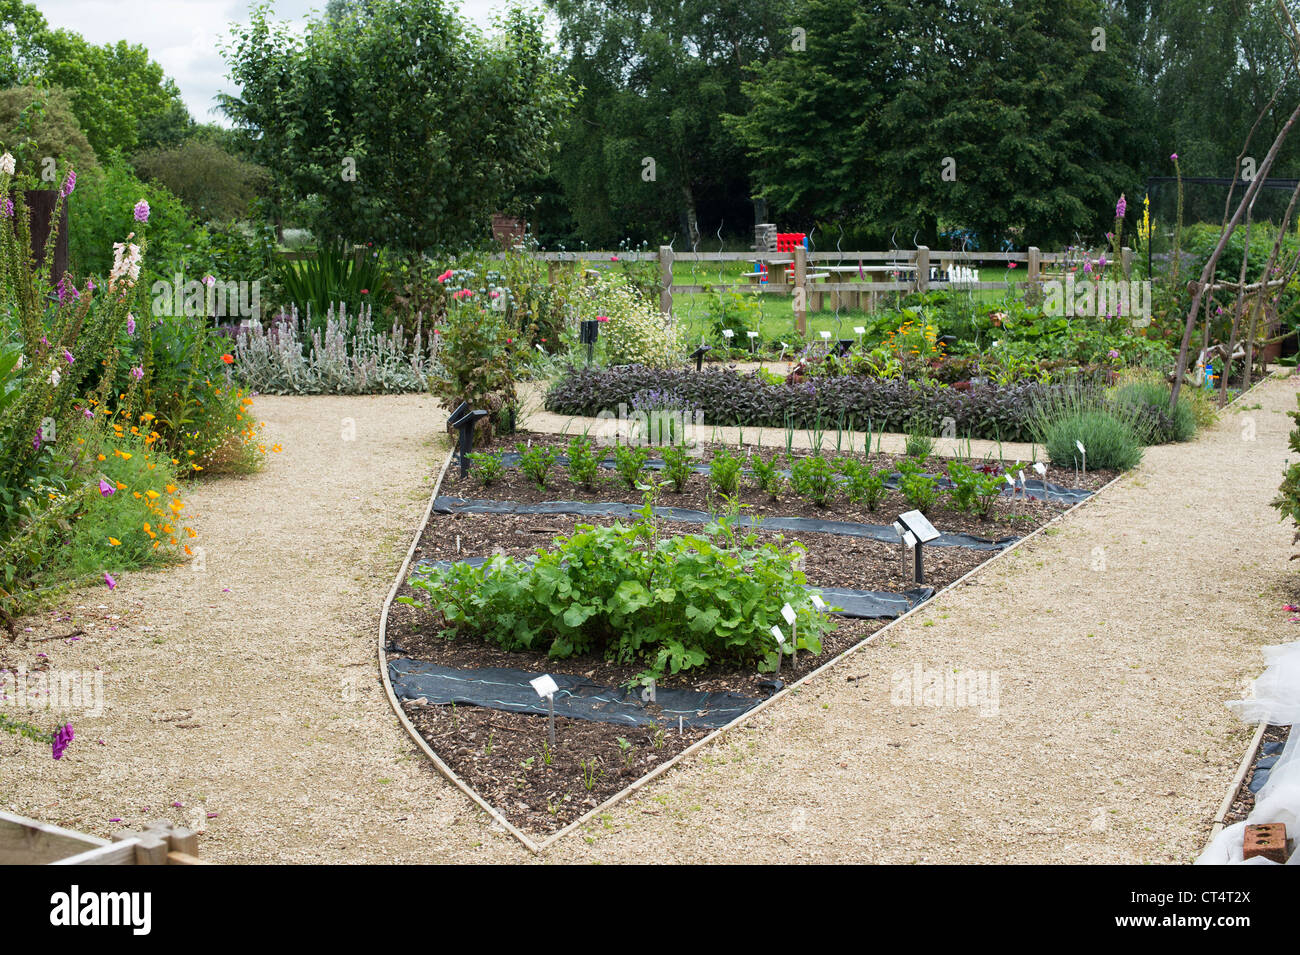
(114, 542)
(124, 455)
(171, 488)
(102, 458)
(153, 495)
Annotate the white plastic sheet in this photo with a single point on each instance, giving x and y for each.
(1276, 700)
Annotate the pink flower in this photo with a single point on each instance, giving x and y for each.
(130, 324)
(70, 183)
(105, 489)
(137, 372)
(602, 318)
(67, 356)
(108, 579)
(1174, 156)
(141, 211)
(1120, 207)
(444, 276)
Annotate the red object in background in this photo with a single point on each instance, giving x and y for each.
(786, 241)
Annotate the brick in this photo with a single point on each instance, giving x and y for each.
(1267, 840)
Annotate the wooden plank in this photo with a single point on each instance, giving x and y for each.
(185, 858)
(116, 853)
(28, 842)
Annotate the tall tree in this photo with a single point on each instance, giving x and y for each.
(1002, 117)
(396, 122)
(646, 154)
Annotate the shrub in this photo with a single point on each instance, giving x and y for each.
(973, 490)
(862, 485)
(1150, 400)
(636, 332)
(731, 398)
(920, 490)
(348, 356)
(475, 364)
(335, 276)
(584, 463)
(1288, 496)
(536, 462)
(677, 466)
(213, 183)
(813, 479)
(724, 472)
(1109, 440)
(629, 464)
(1110, 432)
(487, 466)
(673, 605)
(101, 207)
(767, 474)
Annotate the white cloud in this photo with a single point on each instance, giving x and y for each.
(183, 35)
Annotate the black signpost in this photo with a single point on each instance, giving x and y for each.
(588, 329)
(698, 356)
(463, 420)
(921, 531)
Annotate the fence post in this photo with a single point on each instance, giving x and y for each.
(1033, 271)
(801, 290)
(666, 279)
(1126, 259)
(922, 268)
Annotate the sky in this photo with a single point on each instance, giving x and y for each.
(183, 35)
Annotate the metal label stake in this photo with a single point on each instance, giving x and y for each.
(546, 688)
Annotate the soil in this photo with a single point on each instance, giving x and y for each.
(1064, 477)
(543, 799)
(1245, 800)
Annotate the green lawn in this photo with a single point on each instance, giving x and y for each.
(778, 312)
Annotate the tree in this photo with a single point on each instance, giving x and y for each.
(214, 184)
(998, 117)
(395, 122)
(646, 153)
(115, 88)
(37, 123)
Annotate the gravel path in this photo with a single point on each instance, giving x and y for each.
(247, 689)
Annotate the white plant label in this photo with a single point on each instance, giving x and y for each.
(909, 539)
(1009, 480)
(545, 686)
(788, 612)
(780, 637)
(727, 333)
(1079, 445)
(826, 336)
(860, 330)
(1041, 468)
(752, 334)
(818, 602)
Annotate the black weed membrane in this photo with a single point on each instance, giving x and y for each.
(884, 533)
(1031, 487)
(500, 688)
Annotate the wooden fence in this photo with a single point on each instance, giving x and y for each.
(804, 275)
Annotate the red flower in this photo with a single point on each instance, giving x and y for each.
(228, 359)
(365, 291)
